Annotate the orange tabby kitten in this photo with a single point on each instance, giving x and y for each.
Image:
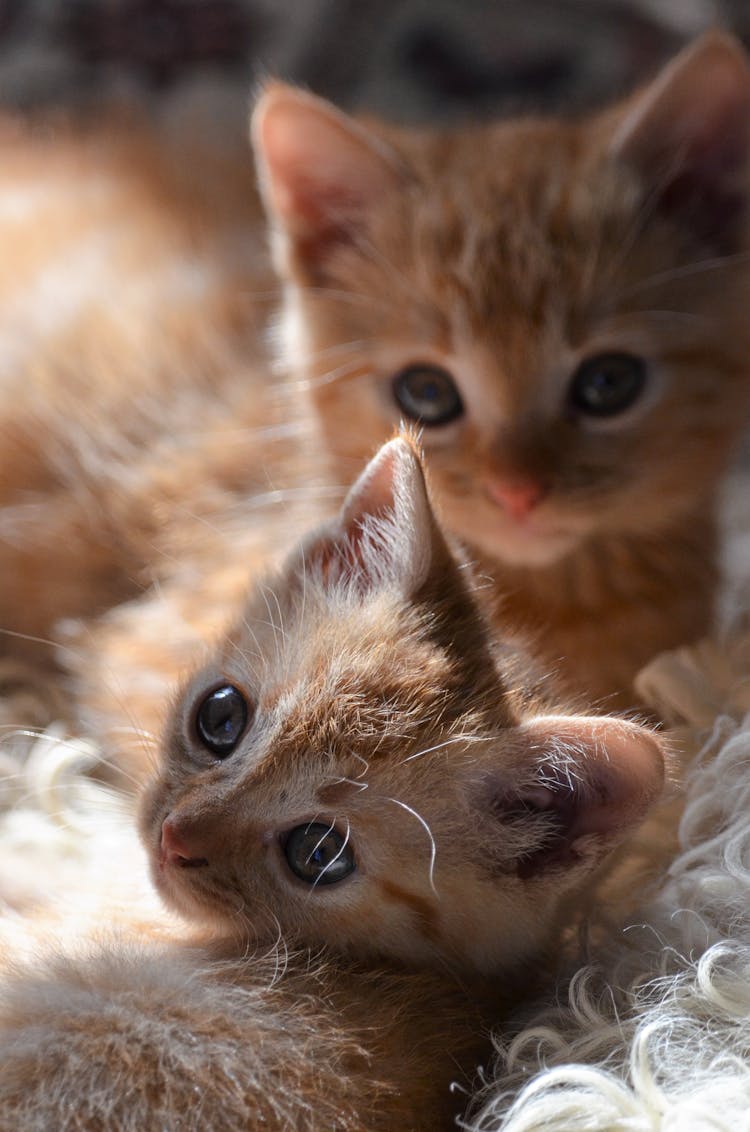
(144, 452)
(358, 767)
(562, 307)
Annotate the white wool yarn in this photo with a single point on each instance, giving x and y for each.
(655, 1033)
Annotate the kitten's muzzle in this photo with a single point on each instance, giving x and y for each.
(518, 497)
(175, 849)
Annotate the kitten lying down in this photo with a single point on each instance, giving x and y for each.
(379, 827)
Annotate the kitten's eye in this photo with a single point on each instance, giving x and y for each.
(607, 384)
(427, 394)
(221, 720)
(318, 854)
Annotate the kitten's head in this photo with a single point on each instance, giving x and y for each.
(562, 306)
(360, 767)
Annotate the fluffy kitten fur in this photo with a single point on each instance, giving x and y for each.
(141, 448)
(141, 441)
(508, 255)
(132, 457)
(378, 704)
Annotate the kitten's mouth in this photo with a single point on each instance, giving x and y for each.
(532, 541)
(534, 524)
(168, 858)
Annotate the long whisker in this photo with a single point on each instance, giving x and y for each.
(245, 658)
(347, 369)
(681, 317)
(353, 782)
(275, 597)
(40, 641)
(685, 271)
(279, 636)
(336, 348)
(318, 844)
(360, 759)
(428, 831)
(642, 215)
(447, 743)
(287, 495)
(352, 297)
(333, 860)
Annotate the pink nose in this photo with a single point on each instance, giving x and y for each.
(176, 849)
(517, 497)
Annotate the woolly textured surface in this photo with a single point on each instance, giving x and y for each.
(655, 1032)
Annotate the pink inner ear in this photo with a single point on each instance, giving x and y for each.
(688, 135)
(366, 550)
(374, 493)
(320, 171)
(599, 780)
(699, 102)
(345, 556)
(341, 559)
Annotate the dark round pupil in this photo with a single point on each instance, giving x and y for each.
(221, 720)
(607, 384)
(427, 394)
(318, 854)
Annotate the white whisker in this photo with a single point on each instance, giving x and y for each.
(447, 743)
(684, 271)
(333, 860)
(319, 843)
(428, 831)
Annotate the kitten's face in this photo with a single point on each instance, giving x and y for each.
(356, 768)
(561, 307)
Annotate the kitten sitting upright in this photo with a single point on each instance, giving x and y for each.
(360, 770)
(562, 307)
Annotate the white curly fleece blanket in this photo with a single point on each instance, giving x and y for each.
(655, 1034)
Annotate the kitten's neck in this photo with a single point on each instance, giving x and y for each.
(637, 595)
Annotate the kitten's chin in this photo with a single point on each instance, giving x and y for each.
(521, 547)
(182, 898)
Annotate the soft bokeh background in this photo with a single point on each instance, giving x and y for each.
(409, 59)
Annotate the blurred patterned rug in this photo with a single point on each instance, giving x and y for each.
(416, 59)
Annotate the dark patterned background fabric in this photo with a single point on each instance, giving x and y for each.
(409, 59)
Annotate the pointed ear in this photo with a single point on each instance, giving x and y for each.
(386, 533)
(585, 782)
(320, 173)
(688, 137)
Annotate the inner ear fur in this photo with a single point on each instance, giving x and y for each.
(386, 533)
(586, 782)
(687, 135)
(388, 536)
(320, 173)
